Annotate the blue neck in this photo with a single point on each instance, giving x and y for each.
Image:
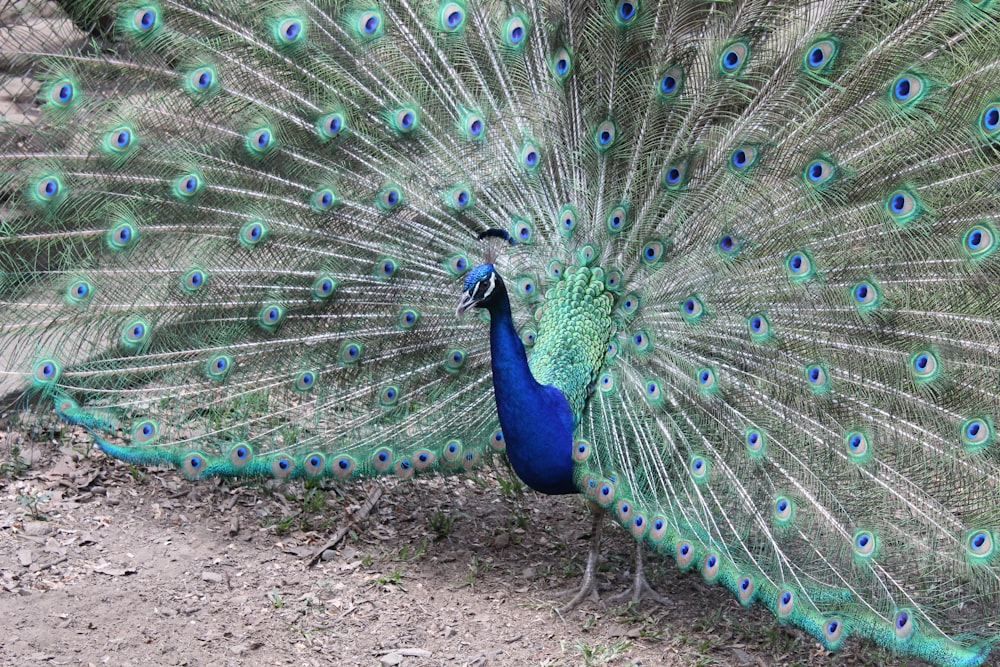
(536, 419)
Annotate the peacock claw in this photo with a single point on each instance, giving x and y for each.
(640, 590)
(589, 587)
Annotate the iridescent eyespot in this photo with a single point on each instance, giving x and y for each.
(514, 32)
(908, 89)
(670, 83)
(820, 55)
(604, 135)
(201, 80)
(289, 31)
(522, 231)
(382, 459)
(819, 173)
(630, 304)
(79, 292)
(640, 342)
(980, 240)
(692, 309)
(745, 589)
(331, 125)
(526, 287)
(902, 206)
(674, 176)
(706, 379)
(454, 360)
(734, 58)
(343, 467)
(460, 198)
(270, 316)
(817, 378)
(122, 235)
(567, 218)
(530, 157)
(554, 269)
(120, 141)
(989, 120)
(323, 199)
(865, 296)
(314, 464)
(451, 17)
(218, 366)
(586, 254)
(386, 268)
(260, 141)
(389, 396)
(613, 279)
(626, 11)
(756, 443)
(684, 554)
(472, 124)
(710, 568)
(528, 337)
(858, 446)
(186, 186)
(833, 632)
(145, 19)
(405, 120)
(606, 382)
(977, 434)
(61, 93)
(145, 432)
(784, 511)
(652, 253)
(240, 455)
(743, 158)
(617, 218)
(389, 197)
(652, 392)
(581, 451)
(252, 233)
(903, 625)
(497, 442)
(193, 280)
(135, 334)
(282, 467)
(759, 327)
(864, 544)
(323, 287)
(799, 266)
(350, 353)
(452, 451)
(924, 366)
(193, 465)
(561, 64)
(305, 381)
(786, 603)
(46, 372)
(369, 24)
(408, 318)
(699, 469)
(981, 545)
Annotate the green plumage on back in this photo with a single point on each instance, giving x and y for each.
(756, 250)
(573, 331)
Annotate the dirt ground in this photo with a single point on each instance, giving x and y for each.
(103, 564)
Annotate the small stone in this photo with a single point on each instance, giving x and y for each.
(213, 577)
(391, 659)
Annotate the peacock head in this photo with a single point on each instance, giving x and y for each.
(482, 287)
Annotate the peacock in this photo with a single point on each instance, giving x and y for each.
(728, 270)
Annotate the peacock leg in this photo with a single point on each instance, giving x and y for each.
(640, 586)
(588, 588)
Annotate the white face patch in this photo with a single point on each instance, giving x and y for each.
(493, 284)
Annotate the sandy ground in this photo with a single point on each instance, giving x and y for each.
(103, 564)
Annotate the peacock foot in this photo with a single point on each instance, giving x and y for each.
(589, 587)
(640, 590)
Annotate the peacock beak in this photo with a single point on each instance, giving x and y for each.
(467, 301)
